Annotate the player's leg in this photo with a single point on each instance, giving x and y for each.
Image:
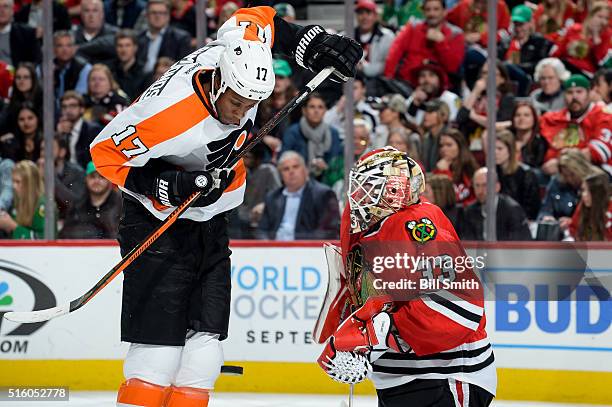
(200, 366)
(156, 291)
(423, 393)
(479, 397)
(468, 395)
(209, 310)
(148, 370)
(434, 393)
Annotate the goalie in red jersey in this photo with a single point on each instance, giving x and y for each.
(409, 310)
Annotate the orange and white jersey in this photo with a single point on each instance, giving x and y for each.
(173, 120)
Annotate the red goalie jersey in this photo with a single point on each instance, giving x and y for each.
(417, 249)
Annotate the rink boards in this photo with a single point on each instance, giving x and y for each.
(545, 351)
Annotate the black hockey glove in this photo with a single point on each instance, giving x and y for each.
(173, 187)
(317, 49)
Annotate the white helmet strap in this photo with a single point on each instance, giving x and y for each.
(215, 94)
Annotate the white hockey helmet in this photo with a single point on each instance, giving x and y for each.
(382, 182)
(246, 68)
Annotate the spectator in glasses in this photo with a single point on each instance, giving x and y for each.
(550, 73)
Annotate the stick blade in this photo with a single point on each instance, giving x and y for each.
(42, 315)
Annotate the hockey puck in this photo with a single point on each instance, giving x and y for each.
(232, 370)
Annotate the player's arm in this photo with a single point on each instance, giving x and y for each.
(315, 49)
(130, 156)
(311, 46)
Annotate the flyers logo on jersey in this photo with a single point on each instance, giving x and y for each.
(221, 151)
(422, 230)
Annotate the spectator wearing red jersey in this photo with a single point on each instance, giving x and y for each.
(592, 220)
(583, 7)
(74, 11)
(433, 39)
(182, 15)
(553, 16)
(25, 87)
(587, 47)
(458, 163)
(471, 17)
(6, 80)
(583, 125)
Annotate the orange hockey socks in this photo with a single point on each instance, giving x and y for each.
(187, 397)
(138, 393)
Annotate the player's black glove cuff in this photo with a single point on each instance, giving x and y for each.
(317, 50)
(174, 187)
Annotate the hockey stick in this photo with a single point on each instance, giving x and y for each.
(350, 397)
(63, 309)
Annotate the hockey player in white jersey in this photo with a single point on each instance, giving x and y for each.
(174, 140)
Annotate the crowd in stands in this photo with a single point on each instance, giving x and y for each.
(421, 88)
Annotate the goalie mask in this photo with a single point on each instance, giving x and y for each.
(382, 182)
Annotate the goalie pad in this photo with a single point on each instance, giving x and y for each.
(337, 302)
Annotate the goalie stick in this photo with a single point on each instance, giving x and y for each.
(63, 309)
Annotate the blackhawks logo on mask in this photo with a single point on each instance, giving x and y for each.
(422, 230)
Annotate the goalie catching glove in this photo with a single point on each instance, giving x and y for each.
(174, 187)
(317, 50)
(362, 338)
(344, 367)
